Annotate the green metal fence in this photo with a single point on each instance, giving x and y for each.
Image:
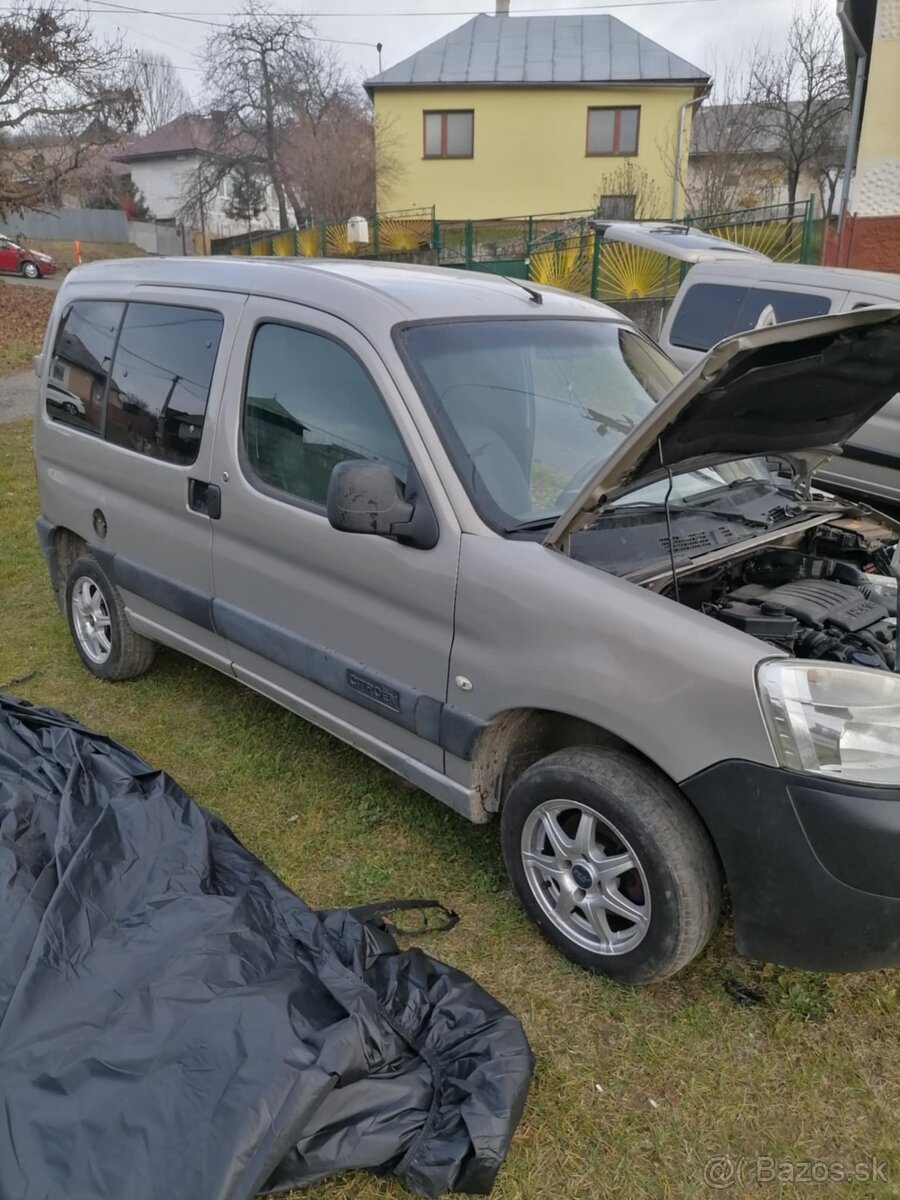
(560, 249)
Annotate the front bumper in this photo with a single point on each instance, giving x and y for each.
(813, 864)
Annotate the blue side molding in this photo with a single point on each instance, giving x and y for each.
(431, 719)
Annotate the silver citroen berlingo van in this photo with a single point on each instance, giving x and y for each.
(489, 535)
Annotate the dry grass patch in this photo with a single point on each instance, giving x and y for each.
(64, 252)
(24, 312)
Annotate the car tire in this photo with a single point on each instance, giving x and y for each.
(106, 643)
(30, 270)
(611, 863)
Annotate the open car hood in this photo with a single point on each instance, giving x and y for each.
(796, 391)
(682, 242)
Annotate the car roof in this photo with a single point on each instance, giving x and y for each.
(368, 292)
(881, 283)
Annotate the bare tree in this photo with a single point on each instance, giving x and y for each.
(99, 185)
(628, 193)
(162, 94)
(335, 157)
(198, 193)
(63, 95)
(722, 169)
(264, 73)
(801, 93)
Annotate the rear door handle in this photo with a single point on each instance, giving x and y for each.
(205, 498)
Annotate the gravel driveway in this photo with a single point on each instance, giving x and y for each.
(17, 395)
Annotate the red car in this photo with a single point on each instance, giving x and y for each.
(20, 261)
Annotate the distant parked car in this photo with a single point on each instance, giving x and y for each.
(21, 261)
(731, 289)
(720, 299)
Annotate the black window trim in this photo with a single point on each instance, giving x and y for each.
(267, 489)
(100, 434)
(484, 505)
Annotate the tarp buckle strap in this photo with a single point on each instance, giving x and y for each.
(365, 912)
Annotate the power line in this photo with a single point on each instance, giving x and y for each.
(114, 8)
(201, 16)
(198, 14)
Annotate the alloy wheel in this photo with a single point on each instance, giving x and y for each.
(586, 877)
(90, 617)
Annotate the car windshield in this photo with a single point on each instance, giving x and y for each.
(529, 409)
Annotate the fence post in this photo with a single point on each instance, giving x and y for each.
(806, 240)
(469, 245)
(324, 240)
(375, 233)
(296, 243)
(436, 240)
(529, 237)
(595, 266)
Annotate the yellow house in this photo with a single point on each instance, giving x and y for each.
(869, 230)
(513, 116)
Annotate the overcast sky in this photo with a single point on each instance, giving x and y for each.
(705, 32)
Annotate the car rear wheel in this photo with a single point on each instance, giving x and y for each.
(612, 863)
(108, 646)
(30, 270)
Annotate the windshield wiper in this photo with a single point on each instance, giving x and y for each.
(538, 523)
(721, 514)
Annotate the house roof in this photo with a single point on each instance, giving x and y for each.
(540, 51)
(188, 133)
(749, 129)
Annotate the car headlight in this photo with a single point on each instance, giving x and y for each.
(833, 719)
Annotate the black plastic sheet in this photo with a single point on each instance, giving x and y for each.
(174, 1022)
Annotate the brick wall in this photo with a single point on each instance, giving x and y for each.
(867, 243)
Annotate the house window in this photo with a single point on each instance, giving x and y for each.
(612, 130)
(449, 134)
(616, 208)
(226, 187)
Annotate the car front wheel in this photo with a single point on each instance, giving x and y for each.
(30, 270)
(612, 863)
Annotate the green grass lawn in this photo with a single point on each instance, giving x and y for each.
(634, 1090)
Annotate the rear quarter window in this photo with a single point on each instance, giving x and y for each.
(707, 313)
(710, 312)
(771, 306)
(79, 369)
(159, 387)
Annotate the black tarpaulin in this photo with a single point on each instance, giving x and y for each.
(174, 1022)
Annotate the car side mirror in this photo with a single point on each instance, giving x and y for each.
(363, 497)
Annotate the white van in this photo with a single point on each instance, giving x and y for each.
(720, 298)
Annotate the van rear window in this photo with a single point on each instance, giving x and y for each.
(159, 387)
(137, 374)
(708, 313)
(773, 306)
(79, 369)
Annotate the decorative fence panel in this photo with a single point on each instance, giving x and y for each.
(558, 249)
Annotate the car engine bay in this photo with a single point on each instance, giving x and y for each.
(827, 595)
